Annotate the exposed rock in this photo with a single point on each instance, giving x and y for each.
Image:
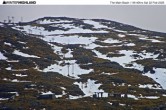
(147, 69)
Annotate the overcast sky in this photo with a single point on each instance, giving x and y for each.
(146, 17)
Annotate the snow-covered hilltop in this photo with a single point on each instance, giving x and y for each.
(64, 25)
(72, 58)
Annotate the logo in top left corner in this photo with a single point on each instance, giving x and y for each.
(4, 2)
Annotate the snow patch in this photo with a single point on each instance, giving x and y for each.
(12, 60)
(2, 57)
(96, 25)
(152, 40)
(108, 73)
(72, 70)
(20, 75)
(90, 87)
(121, 35)
(75, 39)
(10, 69)
(9, 44)
(150, 97)
(159, 76)
(111, 41)
(40, 30)
(150, 86)
(22, 42)
(17, 52)
(130, 44)
(2, 99)
(132, 96)
(14, 80)
(46, 93)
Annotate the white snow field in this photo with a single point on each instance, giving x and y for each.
(160, 73)
(40, 30)
(72, 70)
(89, 88)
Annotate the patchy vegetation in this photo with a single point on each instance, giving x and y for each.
(102, 61)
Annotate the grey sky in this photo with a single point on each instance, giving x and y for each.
(147, 17)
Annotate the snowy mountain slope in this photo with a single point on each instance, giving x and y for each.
(77, 58)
